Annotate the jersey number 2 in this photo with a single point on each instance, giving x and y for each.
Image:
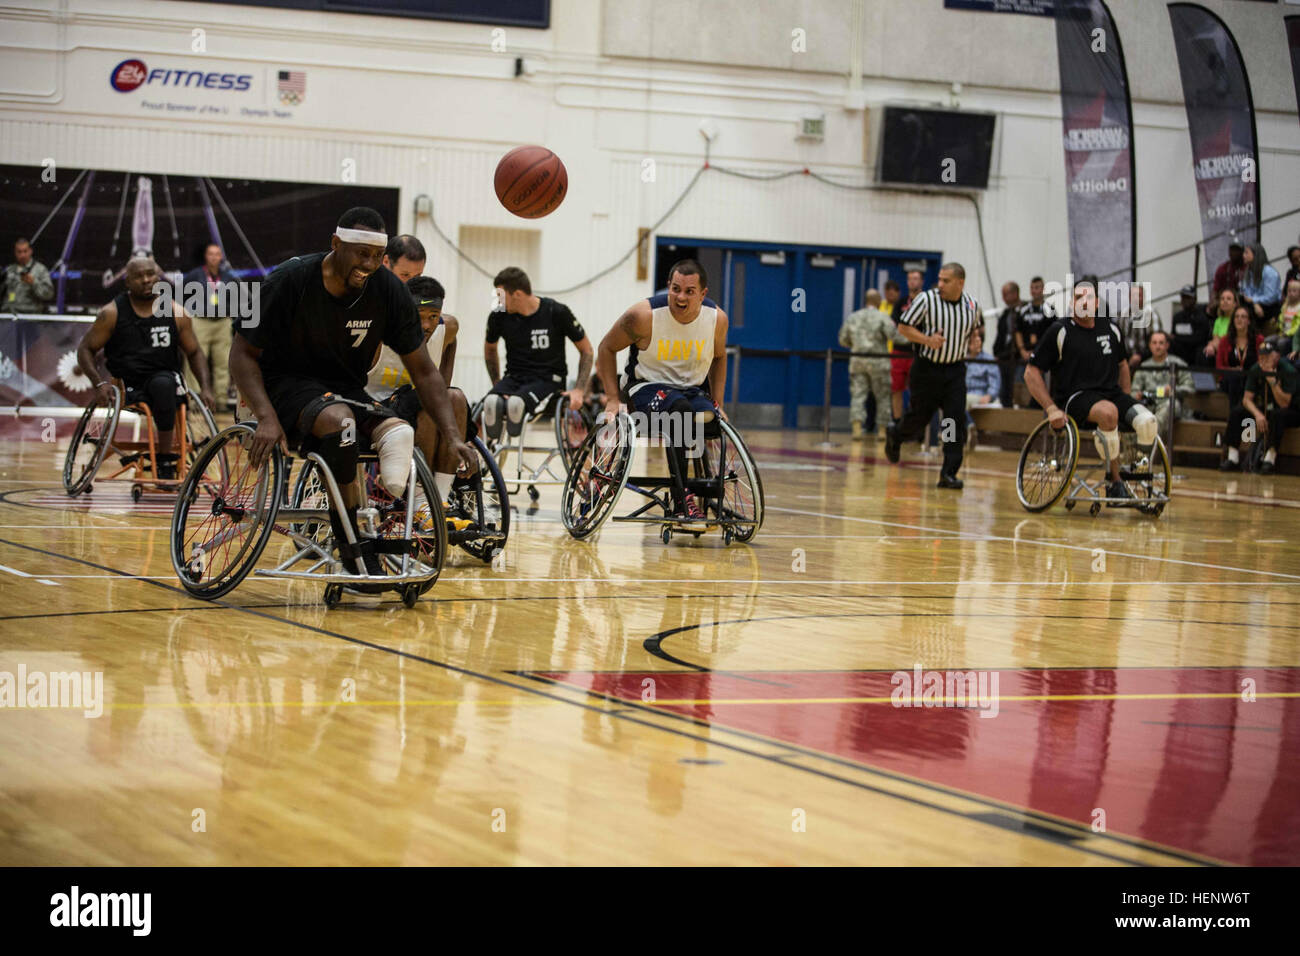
(1104, 342)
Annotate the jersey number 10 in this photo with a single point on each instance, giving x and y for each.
(541, 338)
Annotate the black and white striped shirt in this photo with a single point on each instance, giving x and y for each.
(930, 314)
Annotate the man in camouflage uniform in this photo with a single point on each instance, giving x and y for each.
(1152, 384)
(867, 330)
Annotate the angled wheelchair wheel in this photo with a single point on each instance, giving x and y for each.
(478, 508)
(224, 513)
(200, 428)
(309, 494)
(742, 489)
(597, 477)
(572, 426)
(91, 440)
(1149, 478)
(1047, 464)
(428, 530)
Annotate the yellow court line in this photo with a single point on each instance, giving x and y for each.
(918, 702)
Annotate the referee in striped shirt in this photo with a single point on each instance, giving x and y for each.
(939, 323)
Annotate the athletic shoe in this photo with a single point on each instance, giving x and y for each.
(950, 481)
(1265, 468)
(892, 444)
(1117, 489)
(692, 509)
(1229, 465)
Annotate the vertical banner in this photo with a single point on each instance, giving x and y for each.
(1293, 41)
(1221, 122)
(1098, 140)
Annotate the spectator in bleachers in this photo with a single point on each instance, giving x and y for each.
(1293, 260)
(1153, 384)
(1238, 351)
(214, 323)
(1288, 317)
(1035, 317)
(1004, 346)
(1220, 315)
(983, 383)
(890, 305)
(27, 283)
(1191, 328)
(1229, 273)
(1260, 288)
(1270, 385)
(1137, 325)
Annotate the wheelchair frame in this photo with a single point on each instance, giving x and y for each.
(134, 453)
(1091, 486)
(710, 489)
(543, 473)
(416, 558)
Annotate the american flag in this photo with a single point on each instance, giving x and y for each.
(292, 87)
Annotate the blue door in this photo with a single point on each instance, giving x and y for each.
(757, 303)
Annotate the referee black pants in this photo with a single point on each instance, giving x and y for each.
(942, 387)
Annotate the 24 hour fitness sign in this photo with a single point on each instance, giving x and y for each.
(193, 89)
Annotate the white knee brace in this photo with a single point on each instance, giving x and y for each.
(394, 443)
(1145, 425)
(514, 415)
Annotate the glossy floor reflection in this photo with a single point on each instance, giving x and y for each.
(619, 701)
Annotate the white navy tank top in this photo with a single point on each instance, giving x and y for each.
(678, 354)
(389, 374)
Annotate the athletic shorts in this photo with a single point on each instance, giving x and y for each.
(136, 390)
(405, 403)
(899, 369)
(290, 397)
(650, 397)
(534, 392)
(1080, 403)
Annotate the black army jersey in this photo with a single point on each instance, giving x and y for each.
(1080, 359)
(304, 332)
(535, 343)
(140, 347)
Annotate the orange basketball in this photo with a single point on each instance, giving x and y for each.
(531, 181)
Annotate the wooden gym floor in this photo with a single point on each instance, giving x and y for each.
(622, 702)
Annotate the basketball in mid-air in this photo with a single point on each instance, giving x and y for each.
(531, 181)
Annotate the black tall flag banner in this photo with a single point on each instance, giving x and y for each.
(1293, 41)
(1221, 122)
(1098, 140)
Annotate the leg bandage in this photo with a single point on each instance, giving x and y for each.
(1144, 424)
(493, 415)
(394, 443)
(1108, 444)
(514, 415)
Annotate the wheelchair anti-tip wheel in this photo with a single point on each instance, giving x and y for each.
(1047, 464)
(597, 477)
(91, 439)
(224, 513)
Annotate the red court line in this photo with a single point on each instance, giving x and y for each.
(1216, 776)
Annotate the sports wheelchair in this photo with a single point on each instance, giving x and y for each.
(226, 510)
(723, 479)
(537, 465)
(96, 435)
(1050, 459)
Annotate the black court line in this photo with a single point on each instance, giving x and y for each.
(1044, 824)
(621, 713)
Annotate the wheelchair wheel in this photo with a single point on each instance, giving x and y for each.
(309, 493)
(483, 502)
(571, 429)
(1047, 464)
(90, 441)
(224, 514)
(1150, 480)
(200, 427)
(597, 478)
(430, 525)
(742, 489)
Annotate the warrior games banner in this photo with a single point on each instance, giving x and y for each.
(1098, 140)
(1221, 122)
(1042, 8)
